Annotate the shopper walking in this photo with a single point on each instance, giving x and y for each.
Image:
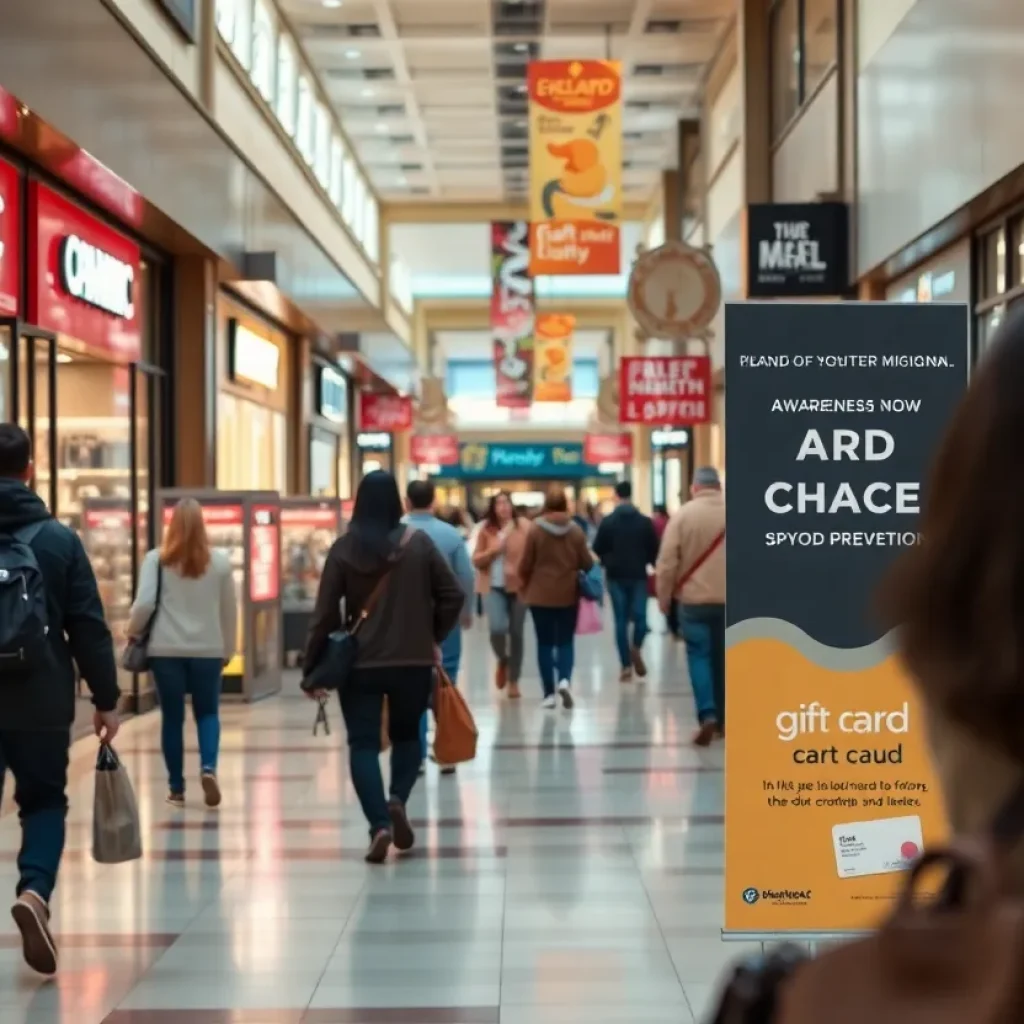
(627, 544)
(186, 598)
(422, 515)
(42, 640)
(554, 555)
(691, 569)
(418, 604)
(497, 557)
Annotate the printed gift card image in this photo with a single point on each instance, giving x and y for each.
(877, 847)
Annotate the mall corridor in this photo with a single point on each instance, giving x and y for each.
(572, 873)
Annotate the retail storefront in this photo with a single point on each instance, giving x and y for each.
(376, 451)
(999, 258)
(330, 432)
(671, 470)
(80, 352)
(255, 411)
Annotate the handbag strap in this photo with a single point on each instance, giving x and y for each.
(379, 587)
(159, 592)
(705, 555)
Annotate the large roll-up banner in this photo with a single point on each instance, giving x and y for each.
(512, 313)
(834, 412)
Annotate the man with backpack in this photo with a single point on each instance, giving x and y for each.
(51, 619)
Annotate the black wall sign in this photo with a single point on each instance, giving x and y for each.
(833, 414)
(797, 250)
(183, 14)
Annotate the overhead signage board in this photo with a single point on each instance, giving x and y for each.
(797, 250)
(833, 413)
(661, 391)
(521, 461)
(512, 314)
(575, 166)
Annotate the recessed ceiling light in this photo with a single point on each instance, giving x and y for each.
(381, 127)
(521, 47)
(367, 92)
(332, 3)
(353, 54)
(520, 88)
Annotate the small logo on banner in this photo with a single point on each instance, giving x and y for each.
(751, 896)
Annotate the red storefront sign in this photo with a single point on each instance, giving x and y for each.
(512, 313)
(84, 277)
(8, 115)
(598, 448)
(10, 239)
(435, 449)
(670, 391)
(264, 554)
(384, 414)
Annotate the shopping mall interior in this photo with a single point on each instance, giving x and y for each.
(252, 250)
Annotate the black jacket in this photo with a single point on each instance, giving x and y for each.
(626, 543)
(78, 630)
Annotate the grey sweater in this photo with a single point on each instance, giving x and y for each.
(196, 618)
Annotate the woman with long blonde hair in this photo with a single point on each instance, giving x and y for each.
(186, 600)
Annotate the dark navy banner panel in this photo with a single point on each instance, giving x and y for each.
(833, 415)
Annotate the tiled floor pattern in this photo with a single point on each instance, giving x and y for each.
(573, 873)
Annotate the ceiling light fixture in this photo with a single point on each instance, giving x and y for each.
(332, 3)
(520, 88)
(521, 47)
(353, 54)
(382, 127)
(367, 93)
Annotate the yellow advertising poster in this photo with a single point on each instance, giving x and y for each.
(575, 166)
(833, 413)
(552, 357)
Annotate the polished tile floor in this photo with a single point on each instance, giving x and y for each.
(573, 873)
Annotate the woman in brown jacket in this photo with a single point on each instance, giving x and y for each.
(957, 598)
(496, 557)
(556, 552)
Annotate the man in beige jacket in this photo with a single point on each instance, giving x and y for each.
(691, 570)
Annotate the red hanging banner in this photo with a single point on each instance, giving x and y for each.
(512, 313)
(434, 449)
(385, 414)
(598, 448)
(672, 391)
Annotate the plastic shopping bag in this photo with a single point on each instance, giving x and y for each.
(588, 619)
(116, 833)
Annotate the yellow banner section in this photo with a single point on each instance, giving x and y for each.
(575, 166)
(552, 357)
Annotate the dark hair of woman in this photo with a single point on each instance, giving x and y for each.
(491, 515)
(957, 598)
(377, 513)
(555, 499)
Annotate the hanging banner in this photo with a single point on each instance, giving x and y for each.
(434, 449)
(665, 391)
(512, 313)
(385, 414)
(552, 357)
(575, 166)
(833, 413)
(600, 448)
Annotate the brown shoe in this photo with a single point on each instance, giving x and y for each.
(401, 830)
(638, 662)
(626, 675)
(379, 846)
(706, 733)
(211, 789)
(501, 676)
(32, 916)
(513, 691)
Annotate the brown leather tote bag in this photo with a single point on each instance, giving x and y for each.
(456, 734)
(956, 959)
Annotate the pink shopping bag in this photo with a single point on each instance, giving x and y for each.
(588, 618)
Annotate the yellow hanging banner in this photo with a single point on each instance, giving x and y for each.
(552, 357)
(575, 166)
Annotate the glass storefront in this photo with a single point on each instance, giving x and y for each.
(253, 420)
(330, 438)
(670, 467)
(376, 451)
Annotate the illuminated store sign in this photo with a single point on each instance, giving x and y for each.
(91, 275)
(253, 359)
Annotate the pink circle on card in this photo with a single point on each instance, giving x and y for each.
(909, 851)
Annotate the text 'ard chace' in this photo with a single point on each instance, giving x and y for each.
(879, 498)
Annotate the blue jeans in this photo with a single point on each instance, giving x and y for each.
(704, 633)
(38, 760)
(200, 678)
(629, 604)
(362, 701)
(556, 639)
(451, 655)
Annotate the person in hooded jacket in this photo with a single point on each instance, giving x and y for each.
(399, 644)
(37, 709)
(627, 544)
(554, 554)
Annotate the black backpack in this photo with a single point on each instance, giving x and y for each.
(23, 620)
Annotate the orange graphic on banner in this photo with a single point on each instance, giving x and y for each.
(552, 357)
(575, 167)
(835, 761)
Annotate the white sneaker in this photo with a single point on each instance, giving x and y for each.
(566, 694)
(548, 702)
